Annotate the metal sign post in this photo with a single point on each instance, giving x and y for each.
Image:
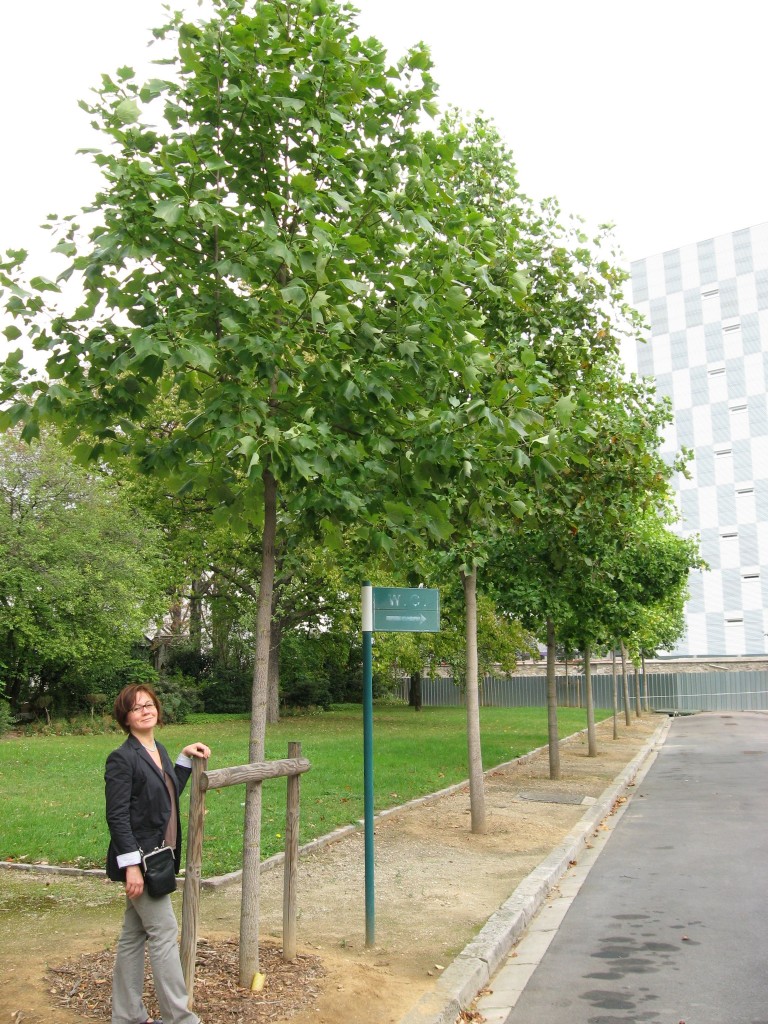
(386, 609)
(370, 927)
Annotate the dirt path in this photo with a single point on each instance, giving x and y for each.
(436, 885)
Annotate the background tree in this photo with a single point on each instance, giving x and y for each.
(82, 574)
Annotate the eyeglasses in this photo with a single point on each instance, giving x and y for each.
(144, 707)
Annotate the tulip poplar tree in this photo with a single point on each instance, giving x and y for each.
(260, 255)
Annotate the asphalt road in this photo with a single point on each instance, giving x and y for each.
(671, 923)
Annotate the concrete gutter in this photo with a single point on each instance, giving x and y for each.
(474, 967)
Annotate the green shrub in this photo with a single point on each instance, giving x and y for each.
(229, 692)
(306, 693)
(180, 696)
(76, 725)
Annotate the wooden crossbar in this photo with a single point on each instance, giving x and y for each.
(256, 772)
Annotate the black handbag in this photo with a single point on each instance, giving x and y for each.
(159, 870)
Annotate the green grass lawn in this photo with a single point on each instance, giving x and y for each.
(53, 786)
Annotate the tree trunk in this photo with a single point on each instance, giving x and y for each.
(220, 624)
(273, 698)
(568, 703)
(615, 695)
(554, 738)
(196, 617)
(591, 736)
(474, 750)
(625, 685)
(646, 698)
(414, 696)
(249, 910)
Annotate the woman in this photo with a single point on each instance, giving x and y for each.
(142, 790)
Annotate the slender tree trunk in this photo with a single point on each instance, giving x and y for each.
(552, 733)
(219, 628)
(196, 617)
(591, 736)
(273, 698)
(276, 638)
(414, 697)
(474, 749)
(615, 695)
(625, 685)
(568, 703)
(249, 911)
(646, 697)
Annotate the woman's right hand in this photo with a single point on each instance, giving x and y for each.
(134, 881)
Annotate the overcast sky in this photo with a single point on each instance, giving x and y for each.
(651, 116)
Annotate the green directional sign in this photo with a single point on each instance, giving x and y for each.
(406, 610)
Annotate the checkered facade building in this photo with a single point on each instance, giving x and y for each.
(707, 306)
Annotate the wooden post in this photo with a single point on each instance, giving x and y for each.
(190, 905)
(293, 766)
(291, 858)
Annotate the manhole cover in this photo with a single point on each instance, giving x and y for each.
(556, 798)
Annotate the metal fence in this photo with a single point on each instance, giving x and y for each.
(673, 691)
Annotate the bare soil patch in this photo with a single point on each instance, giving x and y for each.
(436, 885)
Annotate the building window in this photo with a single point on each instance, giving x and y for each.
(729, 549)
(710, 305)
(723, 466)
(746, 508)
(752, 594)
(734, 635)
(718, 385)
(739, 417)
(732, 345)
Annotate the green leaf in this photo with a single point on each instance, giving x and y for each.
(127, 111)
(303, 183)
(170, 211)
(197, 355)
(65, 247)
(355, 287)
(304, 468)
(295, 294)
(456, 297)
(42, 284)
(290, 102)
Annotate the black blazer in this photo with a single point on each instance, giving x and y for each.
(138, 804)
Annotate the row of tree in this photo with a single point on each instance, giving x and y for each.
(312, 336)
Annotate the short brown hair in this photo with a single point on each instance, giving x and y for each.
(126, 699)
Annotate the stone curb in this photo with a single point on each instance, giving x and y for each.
(473, 968)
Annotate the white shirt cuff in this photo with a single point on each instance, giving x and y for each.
(126, 860)
(184, 761)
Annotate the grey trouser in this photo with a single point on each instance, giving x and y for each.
(151, 921)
